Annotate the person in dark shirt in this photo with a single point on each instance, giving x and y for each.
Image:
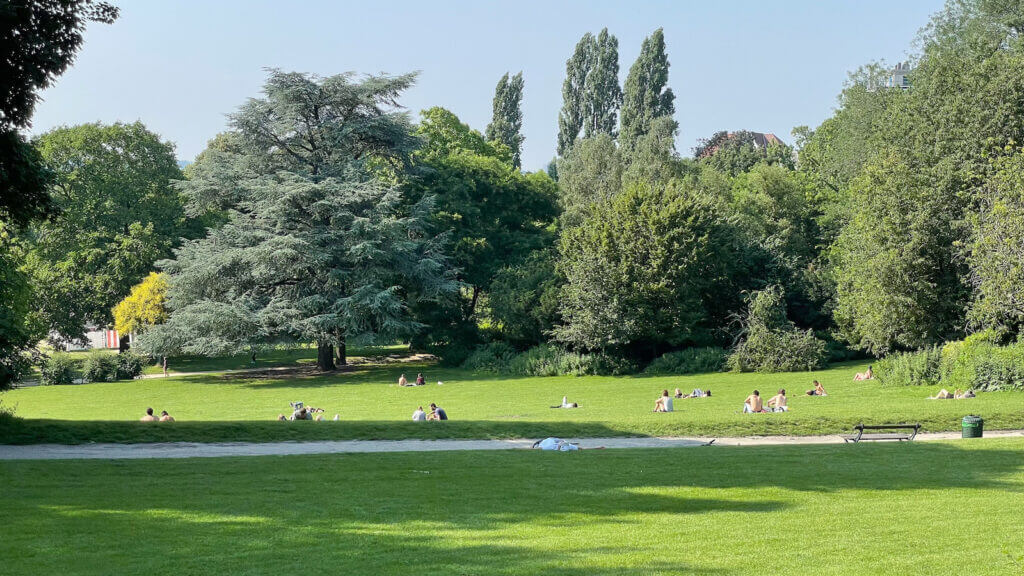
(437, 413)
(420, 380)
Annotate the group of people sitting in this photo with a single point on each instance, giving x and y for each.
(149, 417)
(436, 413)
(754, 404)
(420, 380)
(956, 395)
(664, 402)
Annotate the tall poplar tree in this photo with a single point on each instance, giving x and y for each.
(647, 95)
(570, 118)
(602, 96)
(507, 120)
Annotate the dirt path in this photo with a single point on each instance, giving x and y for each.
(214, 450)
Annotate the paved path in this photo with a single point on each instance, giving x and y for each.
(213, 450)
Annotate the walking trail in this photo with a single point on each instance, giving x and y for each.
(220, 449)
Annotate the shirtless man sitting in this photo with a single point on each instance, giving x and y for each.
(777, 403)
(149, 416)
(753, 403)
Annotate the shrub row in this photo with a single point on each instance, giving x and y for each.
(689, 361)
(779, 351)
(99, 366)
(548, 360)
(545, 360)
(975, 363)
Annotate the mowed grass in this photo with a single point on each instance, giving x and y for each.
(272, 358)
(244, 407)
(935, 508)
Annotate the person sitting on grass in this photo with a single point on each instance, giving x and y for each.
(753, 404)
(165, 417)
(663, 403)
(149, 416)
(868, 375)
(818, 390)
(420, 380)
(567, 404)
(437, 413)
(777, 403)
(402, 381)
(419, 415)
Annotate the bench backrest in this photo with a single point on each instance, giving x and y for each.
(887, 427)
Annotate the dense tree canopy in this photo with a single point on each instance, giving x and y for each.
(119, 213)
(642, 267)
(493, 216)
(318, 246)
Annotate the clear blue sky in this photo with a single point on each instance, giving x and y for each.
(180, 66)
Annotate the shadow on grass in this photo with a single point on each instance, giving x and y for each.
(43, 431)
(524, 512)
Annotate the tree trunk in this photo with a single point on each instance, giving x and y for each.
(342, 358)
(472, 303)
(325, 356)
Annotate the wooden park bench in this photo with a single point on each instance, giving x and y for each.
(898, 436)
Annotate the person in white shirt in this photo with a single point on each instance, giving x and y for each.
(419, 415)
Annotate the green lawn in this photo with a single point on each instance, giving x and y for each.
(242, 407)
(272, 358)
(925, 509)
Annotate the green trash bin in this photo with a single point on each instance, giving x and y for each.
(973, 426)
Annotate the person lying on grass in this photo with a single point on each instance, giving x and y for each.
(437, 413)
(567, 404)
(753, 404)
(945, 395)
(818, 390)
(559, 445)
(663, 403)
(697, 393)
(868, 375)
(777, 403)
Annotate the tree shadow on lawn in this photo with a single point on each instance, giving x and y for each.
(444, 513)
(46, 431)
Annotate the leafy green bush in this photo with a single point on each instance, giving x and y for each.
(772, 343)
(6, 414)
(689, 361)
(58, 369)
(492, 357)
(548, 360)
(981, 365)
(923, 367)
(100, 366)
(129, 365)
